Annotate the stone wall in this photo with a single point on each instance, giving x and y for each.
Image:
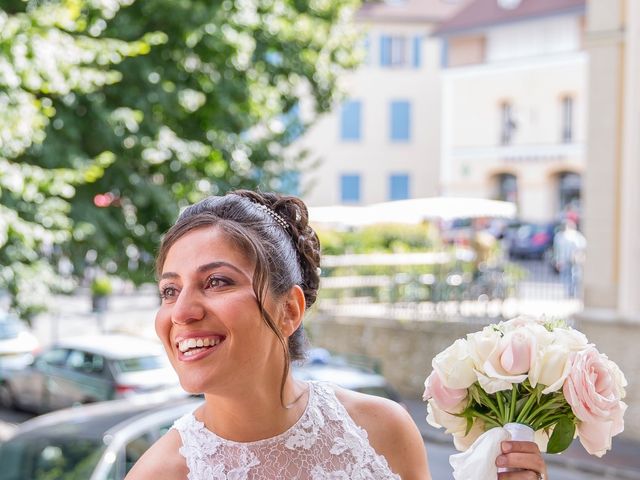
(405, 349)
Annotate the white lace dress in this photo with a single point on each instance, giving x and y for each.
(324, 443)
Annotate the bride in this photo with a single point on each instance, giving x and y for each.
(236, 274)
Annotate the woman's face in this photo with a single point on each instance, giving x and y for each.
(209, 321)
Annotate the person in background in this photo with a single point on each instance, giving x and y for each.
(236, 275)
(568, 252)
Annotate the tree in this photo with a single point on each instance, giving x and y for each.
(211, 108)
(44, 55)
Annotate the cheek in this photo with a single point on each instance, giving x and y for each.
(162, 324)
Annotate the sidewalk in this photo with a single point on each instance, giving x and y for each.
(621, 462)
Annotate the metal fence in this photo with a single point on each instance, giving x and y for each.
(442, 285)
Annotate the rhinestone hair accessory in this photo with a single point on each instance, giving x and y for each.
(273, 214)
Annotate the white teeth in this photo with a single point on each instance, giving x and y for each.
(191, 343)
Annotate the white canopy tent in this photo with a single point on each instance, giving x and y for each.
(412, 211)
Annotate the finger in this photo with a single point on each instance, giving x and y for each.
(521, 447)
(523, 475)
(527, 461)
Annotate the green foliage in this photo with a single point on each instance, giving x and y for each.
(113, 115)
(376, 238)
(44, 55)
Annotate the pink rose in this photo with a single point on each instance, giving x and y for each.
(444, 397)
(594, 390)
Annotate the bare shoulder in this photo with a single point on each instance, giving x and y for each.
(391, 430)
(162, 461)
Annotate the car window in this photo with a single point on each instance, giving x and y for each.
(141, 363)
(63, 458)
(85, 362)
(10, 328)
(55, 357)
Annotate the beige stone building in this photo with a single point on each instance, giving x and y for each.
(514, 79)
(612, 200)
(382, 142)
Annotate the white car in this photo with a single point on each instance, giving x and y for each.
(17, 344)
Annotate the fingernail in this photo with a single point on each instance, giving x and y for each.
(506, 447)
(501, 461)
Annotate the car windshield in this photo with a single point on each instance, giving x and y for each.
(141, 363)
(10, 328)
(49, 458)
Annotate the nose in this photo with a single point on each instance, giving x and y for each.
(188, 308)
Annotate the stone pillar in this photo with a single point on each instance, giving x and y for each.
(612, 179)
(629, 290)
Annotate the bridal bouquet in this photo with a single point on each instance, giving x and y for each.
(523, 374)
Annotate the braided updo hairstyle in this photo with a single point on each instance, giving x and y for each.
(285, 253)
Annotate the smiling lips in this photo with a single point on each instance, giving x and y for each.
(193, 346)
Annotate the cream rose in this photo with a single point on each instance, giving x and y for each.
(455, 366)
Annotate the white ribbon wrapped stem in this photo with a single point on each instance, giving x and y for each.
(478, 461)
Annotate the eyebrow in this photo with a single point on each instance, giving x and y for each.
(205, 268)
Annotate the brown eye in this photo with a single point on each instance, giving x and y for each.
(168, 293)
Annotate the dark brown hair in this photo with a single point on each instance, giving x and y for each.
(283, 256)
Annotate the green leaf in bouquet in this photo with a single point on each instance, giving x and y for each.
(562, 435)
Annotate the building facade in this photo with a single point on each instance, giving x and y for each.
(514, 80)
(612, 201)
(382, 142)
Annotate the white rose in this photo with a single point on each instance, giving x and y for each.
(551, 367)
(570, 338)
(438, 418)
(482, 344)
(455, 366)
(619, 379)
(462, 442)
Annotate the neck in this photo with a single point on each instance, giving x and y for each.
(255, 413)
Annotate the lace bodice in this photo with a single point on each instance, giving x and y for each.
(324, 444)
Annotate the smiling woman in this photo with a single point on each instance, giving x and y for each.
(236, 275)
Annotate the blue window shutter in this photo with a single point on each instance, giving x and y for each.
(444, 53)
(350, 188)
(400, 121)
(367, 49)
(385, 51)
(350, 120)
(399, 186)
(417, 52)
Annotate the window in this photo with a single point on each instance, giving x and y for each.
(350, 188)
(400, 121)
(567, 119)
(507, 187)
(398, 186)
(393, 51)
(350, 120)
(417, 51)
(508, 124)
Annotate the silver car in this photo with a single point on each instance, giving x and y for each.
(101, 441)
(88, 369)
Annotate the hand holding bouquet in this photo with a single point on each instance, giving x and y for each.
(544, 376)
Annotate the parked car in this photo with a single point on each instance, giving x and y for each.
(17, 343)
(532, 240)
(101, 441)
(88, 369)
(323, 366)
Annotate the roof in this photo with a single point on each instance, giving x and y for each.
(483, 13)
(114, 346)
(409, 11)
